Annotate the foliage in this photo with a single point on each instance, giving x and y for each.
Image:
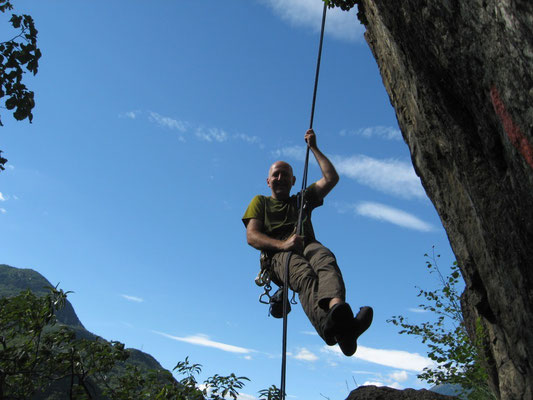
(35, 353)
(155, 384)
(344, 5)
(221, 386)
(457, 357)
(18, 54)
(23, 361)
(272, 393)
(40, 357)
(161, 384)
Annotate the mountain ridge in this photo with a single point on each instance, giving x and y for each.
(14, 280)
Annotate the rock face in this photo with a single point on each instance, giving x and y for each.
(459, 74)
(387, 393)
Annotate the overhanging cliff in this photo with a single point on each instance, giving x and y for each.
(459, 74)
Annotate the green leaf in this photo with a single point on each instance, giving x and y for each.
(459, 357)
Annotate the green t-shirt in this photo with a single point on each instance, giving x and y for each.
(280, 217)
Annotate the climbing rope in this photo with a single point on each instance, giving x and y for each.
(300, 215)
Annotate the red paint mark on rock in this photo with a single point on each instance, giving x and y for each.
(517, 138)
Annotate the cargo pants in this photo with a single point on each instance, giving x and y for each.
(315, 276)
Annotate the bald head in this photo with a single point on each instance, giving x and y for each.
(280, 180)
(280, 164)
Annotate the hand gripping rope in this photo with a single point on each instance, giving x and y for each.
(300, 215)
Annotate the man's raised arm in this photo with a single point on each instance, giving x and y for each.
(329, 175)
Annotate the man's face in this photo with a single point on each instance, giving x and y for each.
(280, 180)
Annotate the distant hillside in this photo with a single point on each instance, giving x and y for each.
(449, 390)
(14, 280)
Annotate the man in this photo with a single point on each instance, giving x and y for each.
(313, 272)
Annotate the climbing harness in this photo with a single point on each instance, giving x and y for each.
(276, 300)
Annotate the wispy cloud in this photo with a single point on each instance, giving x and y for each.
(394, 358)
(211, 134)
(383, 132)
(3, 210)
(389, 176)
(390, 358)
(132, 298)
(130, 114)
(384, 213)
(305, 355)
(391, 379)
(206, 134)
(2, 198)
(203, 340)
(310, 333)
(247, 138)
(362, 372)
(290, 152)
(308, 14)
(400, 376)
(167, 122)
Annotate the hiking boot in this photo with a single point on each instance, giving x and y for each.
(338, 320)
(347, 339)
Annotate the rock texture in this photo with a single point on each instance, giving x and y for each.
(387, 393)
(459, 75)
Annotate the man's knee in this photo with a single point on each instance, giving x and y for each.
(317, 249)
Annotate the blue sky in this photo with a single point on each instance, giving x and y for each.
(154, 127)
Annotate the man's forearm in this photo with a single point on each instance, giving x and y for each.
(260, 241)
(326, 167)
